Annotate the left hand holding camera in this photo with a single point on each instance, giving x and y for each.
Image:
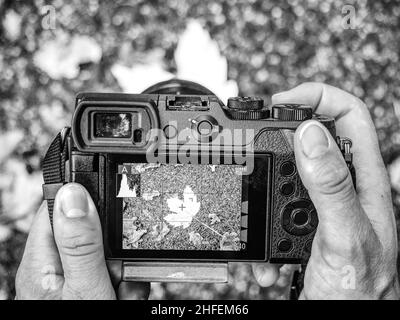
(70, 265)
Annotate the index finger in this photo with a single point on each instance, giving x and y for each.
(352, 120)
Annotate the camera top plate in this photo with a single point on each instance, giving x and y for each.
(166, 119)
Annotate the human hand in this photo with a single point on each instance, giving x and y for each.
(354, 251)
(70, 264)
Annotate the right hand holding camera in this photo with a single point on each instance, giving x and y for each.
(354, 251)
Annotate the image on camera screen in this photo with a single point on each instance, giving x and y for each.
(181, 207)
(113, 125)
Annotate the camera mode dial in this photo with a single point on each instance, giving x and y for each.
(246, 103)
(291, 112)
(247, 108)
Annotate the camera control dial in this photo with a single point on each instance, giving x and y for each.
(246, 108)
(291, 112)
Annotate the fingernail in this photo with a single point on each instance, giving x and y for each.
(74, 202)
(314, 140)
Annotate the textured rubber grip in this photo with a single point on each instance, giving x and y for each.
(54, 169)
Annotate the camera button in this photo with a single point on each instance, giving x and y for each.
(285, 245)
(300, 217)
(205, 127)
(287, 189)
(170, 131)
(287, 168)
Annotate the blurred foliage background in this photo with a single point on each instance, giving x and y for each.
(50, 50)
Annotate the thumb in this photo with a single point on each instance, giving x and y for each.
(77, 232)
(325, 175)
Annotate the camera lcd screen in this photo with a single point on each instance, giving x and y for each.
(113, 125)
(182, 211)
(181, 207)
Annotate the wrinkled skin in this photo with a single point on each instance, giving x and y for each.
(354, 251)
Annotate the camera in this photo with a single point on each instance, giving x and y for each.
(177, 175)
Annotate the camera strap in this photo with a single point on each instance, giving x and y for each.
(54, 170)
(297, 282)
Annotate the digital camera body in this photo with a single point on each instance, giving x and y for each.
(176, 175)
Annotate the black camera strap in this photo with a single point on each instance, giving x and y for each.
(54, 170)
